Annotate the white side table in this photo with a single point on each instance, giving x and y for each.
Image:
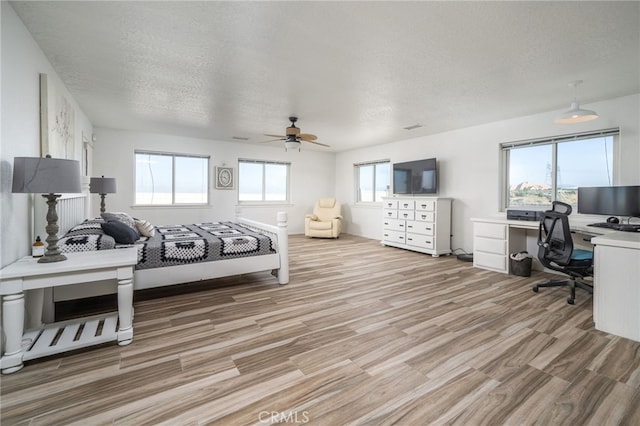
(48, 339)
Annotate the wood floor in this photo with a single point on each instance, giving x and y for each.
(363, 334)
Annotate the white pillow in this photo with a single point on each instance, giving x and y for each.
(145, 228)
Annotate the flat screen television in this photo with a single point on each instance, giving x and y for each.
(609, 200)
(415, 177)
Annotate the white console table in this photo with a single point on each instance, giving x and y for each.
(48, 339)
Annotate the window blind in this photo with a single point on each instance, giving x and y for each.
(562, 138)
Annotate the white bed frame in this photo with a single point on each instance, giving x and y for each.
(72, 210)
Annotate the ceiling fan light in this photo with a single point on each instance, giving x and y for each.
(292, 144)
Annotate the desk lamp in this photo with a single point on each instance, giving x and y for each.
(50, 177)
(102, 186)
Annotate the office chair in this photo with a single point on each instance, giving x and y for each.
(555, 251)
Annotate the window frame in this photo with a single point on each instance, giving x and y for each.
(173, 156)
(263, 201)
(356, 173)
(506, 147)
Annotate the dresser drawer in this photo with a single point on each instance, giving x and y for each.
(490, 245)
(394, 224)
(417, 240)
(490, 261)
(406, 214)
(387, 213)
(418, 227)
(393, 236)
(425, 216)
(390, 204)
(490, 230)
(406, 204)
(426, 205)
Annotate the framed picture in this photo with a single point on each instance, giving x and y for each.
(57, 122)
(224, 178)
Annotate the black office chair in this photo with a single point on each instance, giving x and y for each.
(555, 251)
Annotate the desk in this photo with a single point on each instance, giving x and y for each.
(495, 238)
(44, 340)
(616, 281)
(616, 288)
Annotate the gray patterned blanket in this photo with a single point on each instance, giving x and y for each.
(177, 244)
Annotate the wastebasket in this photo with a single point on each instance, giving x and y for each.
(520, 264)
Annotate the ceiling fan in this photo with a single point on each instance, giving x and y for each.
(293, 137)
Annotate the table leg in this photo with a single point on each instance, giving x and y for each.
(34, 301)
(125, 311)
(13, 324)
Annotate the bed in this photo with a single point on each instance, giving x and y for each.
(186, 253)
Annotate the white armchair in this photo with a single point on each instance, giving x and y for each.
(326, 220)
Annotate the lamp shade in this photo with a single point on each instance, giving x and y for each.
(102, 185)
(575, 114)
(46, 175)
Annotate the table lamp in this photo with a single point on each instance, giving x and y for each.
(102, 186)
(50, 177)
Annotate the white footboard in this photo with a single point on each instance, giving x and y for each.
(281, 235)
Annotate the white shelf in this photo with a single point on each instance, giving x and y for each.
(70, 335)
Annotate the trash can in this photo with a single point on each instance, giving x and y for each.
(520, 264)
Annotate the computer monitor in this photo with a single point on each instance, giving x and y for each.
(609, 200)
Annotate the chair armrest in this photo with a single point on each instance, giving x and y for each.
(338, 217)
(311, 216)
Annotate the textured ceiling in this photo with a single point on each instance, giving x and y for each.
(355, 73)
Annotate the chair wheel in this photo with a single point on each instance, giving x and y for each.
(570, 301)
(535, 289)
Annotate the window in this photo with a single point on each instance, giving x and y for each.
(171, 179)
(538, 172)
(372, 181)
(263, 181)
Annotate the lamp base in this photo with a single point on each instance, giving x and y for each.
(52, 254)
(52, 258)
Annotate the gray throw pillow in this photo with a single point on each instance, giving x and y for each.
(120, 232)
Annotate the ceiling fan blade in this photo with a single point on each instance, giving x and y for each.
(273, 140)
(275, 136)
(307, 137)
(317, 143)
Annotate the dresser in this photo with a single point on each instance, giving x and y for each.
(421, 224)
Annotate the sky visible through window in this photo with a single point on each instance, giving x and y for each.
(583, 162)
(259, 181)
(580, 163)
(155, 180)
(366, 181)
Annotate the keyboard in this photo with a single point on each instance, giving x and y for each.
(626, 227)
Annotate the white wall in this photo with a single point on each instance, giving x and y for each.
(469, 161)
(312, 177)
(22, 62)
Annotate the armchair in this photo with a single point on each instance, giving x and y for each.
(326, 220)
(556, 251)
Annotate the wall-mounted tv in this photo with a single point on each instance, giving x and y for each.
(415, 177)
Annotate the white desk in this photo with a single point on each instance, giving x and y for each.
(44, 340)
(495, 238)
(616, 288)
